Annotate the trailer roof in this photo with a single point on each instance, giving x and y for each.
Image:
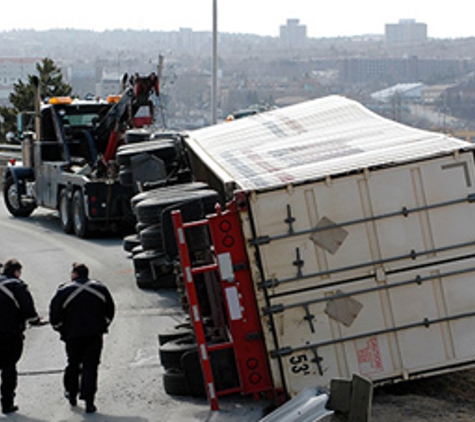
(310, 141)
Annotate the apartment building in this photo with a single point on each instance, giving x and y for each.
(13, 69)
(407, 31)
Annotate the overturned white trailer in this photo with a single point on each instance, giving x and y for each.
(360, 239)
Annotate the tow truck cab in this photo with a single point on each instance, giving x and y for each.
(61, 167)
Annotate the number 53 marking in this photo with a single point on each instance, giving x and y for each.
(299, 364)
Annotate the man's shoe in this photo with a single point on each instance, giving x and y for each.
(71, 398)
(90, 408)
(9, 409)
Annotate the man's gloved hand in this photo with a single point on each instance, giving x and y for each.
(37, 322)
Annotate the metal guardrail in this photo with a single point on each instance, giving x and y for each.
(7, 152)
(10, 148)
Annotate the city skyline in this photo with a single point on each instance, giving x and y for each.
(337, 18)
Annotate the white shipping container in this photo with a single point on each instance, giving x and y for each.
(361, 235)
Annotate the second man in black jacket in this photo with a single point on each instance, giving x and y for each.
(81, 311)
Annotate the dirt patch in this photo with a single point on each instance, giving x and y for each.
(445, 398)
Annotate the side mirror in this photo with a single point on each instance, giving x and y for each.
(11, 139)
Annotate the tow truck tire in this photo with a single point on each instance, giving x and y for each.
(80, 222)
(65, 213)
(12, 199)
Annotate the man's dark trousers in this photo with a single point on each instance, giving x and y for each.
(11, 347)
(84, 355)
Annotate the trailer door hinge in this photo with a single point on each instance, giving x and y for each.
(281, 352)
(261, 240)
(273, 309)
(268, 283)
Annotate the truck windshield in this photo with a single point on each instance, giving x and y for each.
(82, 116)
(81, 119)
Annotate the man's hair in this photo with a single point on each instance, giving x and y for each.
(10, 267)
(80, 269)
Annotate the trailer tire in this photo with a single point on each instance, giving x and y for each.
(166, 190)
(65, 212)
(166, 150)
(137, 249)
(171, 352)
(174, 333)
(143, 259)
(130, 242)
(151, 237)
(191, 366)
(134, 136)
(81, 223)
(11, 196)
(149, 210)
(126, 177)
(174, 383)
(145, 280)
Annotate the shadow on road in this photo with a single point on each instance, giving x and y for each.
(18, 417)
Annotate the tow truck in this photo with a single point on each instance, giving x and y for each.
(68, 161)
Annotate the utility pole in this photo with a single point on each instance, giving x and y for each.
(214, 84)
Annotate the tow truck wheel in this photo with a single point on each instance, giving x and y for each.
(65, 213)
(80, 222)
(12, 199)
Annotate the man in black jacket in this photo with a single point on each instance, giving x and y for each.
(16, 308)
(82, 311)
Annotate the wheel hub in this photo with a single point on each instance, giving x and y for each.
(13, 197)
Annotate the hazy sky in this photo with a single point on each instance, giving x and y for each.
(323, 18)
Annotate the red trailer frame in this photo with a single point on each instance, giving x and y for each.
(244, 332)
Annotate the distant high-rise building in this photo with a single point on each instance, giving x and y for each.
(109, 85)
(293, 34)
(407, 31)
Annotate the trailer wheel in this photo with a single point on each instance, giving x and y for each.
(79, 215)
(130, 242)
(174, 332)
(171, 352)
(65, 213)
(145, 280)
(174, 383)
(12, 199)
(151, 237)
(191, 367)
(126, 177)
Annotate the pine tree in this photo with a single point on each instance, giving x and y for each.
(23, 96)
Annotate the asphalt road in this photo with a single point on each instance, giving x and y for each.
(130, 376)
